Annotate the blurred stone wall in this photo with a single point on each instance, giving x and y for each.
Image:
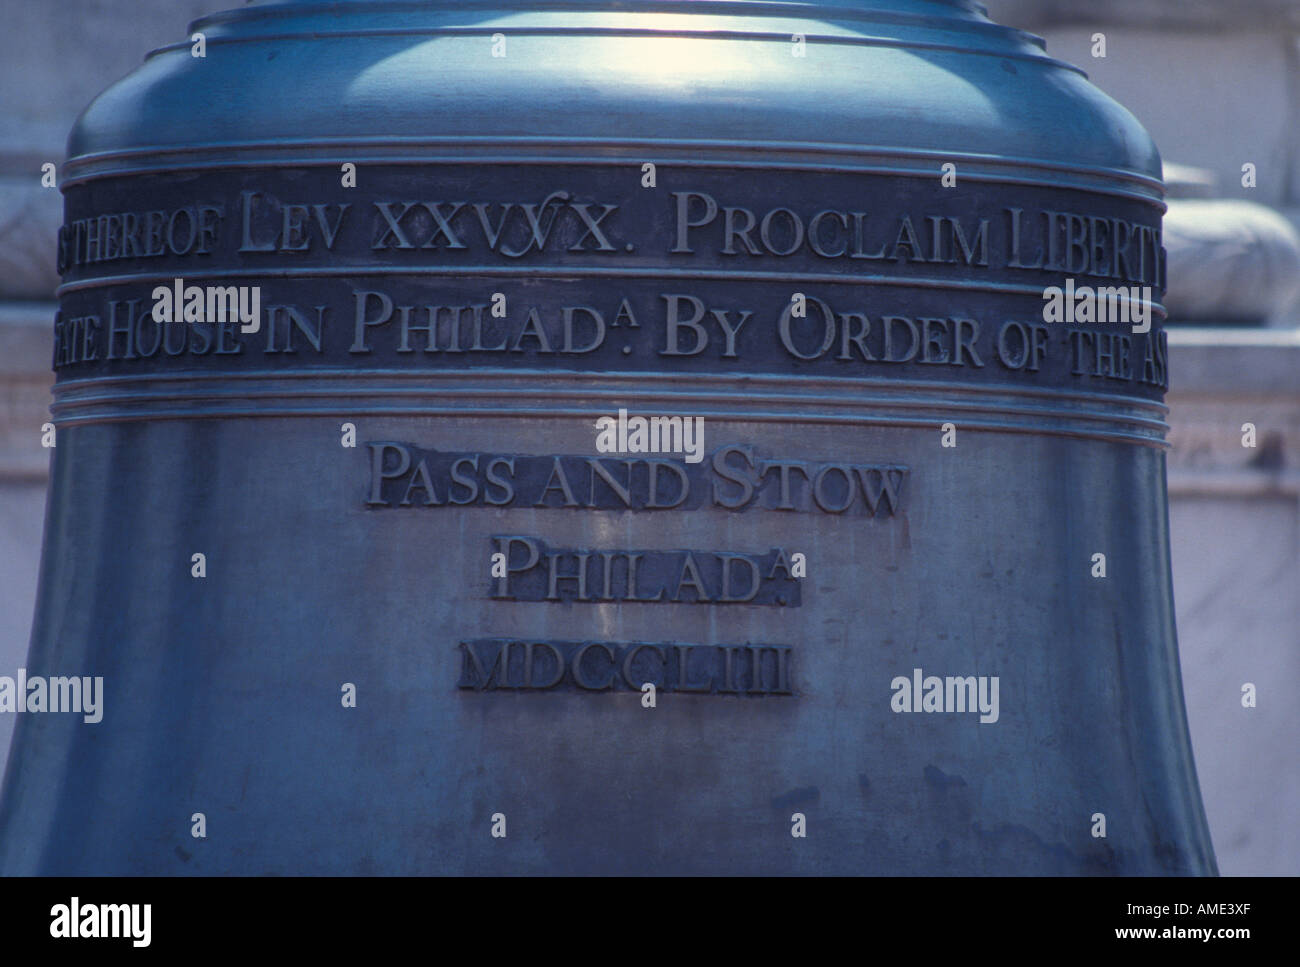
(1216, 82)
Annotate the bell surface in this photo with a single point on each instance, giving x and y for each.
(595, 437)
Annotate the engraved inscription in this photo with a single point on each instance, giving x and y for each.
(617, 220)
(737, 477)
(838, 335)
(535, 572)
(491, 664)
(453, 267)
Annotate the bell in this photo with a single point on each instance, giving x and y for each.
(569, 438)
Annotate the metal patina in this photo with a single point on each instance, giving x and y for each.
(913, 587)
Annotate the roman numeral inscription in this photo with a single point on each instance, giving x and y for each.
(492, 664)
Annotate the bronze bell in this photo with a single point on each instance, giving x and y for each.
(582, 438)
